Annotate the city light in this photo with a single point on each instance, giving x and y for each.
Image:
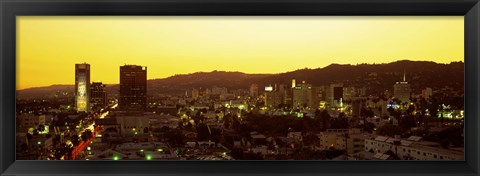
(335, 111)
(268, 88)
(103, 115)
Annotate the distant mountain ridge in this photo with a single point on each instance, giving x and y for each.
(376, 77)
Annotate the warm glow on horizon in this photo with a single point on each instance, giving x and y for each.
(48, 47)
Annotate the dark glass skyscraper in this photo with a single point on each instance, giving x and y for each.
(133, 88)
(98, 97)
(82, 87)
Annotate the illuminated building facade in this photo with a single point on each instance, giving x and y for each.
(133, 88)
(98, 98)
(302, 95)
(82, 87)
(269, 88)
(401, 90)
(274, 96)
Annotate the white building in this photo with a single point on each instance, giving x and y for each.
(341, 138)
(412, 148)
(133, 124)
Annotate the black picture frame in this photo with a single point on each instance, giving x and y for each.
(9, 9)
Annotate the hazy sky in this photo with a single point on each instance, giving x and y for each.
(49, 47)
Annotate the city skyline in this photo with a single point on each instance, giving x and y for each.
(212, 71)
(344, 120)
(437, 39)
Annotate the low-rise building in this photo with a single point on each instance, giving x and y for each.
(412, 148)
(350, 139)
(30, 121)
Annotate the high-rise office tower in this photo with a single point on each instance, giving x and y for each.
(337, 93)
(302, 95)
(98, 95)
(318, 95)
(82, 87)
(401, 90)
(133, 88)
(274, 95)
(273, 98)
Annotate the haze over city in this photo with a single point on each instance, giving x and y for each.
(182, 45)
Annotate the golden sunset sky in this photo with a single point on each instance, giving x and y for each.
(49, 47)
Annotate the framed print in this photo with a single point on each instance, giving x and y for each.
(283, 87)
